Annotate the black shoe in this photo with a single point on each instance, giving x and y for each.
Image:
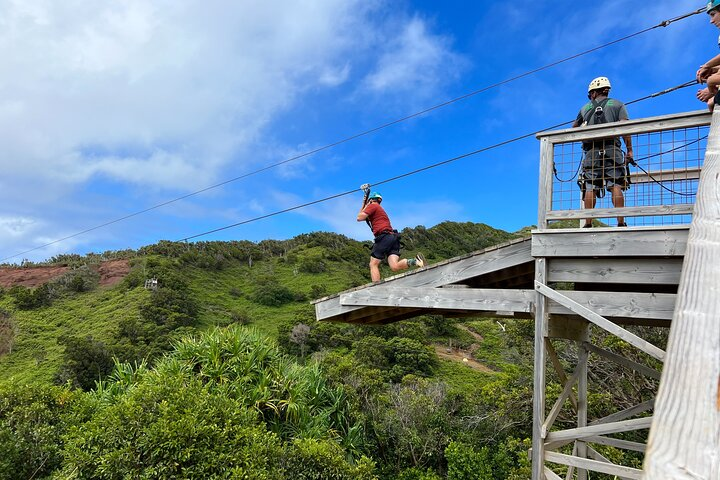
(622, 224)
(587, 225)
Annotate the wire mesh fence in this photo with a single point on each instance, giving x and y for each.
(666, 173)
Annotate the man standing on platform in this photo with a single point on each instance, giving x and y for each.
(604, 165)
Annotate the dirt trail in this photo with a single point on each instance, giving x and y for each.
(464, 356)
(111, 272)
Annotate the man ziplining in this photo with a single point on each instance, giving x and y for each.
(387, 240)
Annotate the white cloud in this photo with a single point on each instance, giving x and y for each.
(415, 61)
(188, 84)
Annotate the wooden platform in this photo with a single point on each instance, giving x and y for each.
(628, 275)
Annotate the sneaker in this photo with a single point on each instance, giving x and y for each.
(587, 225)
(420, 260)
(622, 224)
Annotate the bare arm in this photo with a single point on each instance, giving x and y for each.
(707, 69)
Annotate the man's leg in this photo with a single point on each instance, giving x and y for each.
(396, 264)
(374, 269)
(618, 201)
(589, 201)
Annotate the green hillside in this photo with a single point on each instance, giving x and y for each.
(230, 326)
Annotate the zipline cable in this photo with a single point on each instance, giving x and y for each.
(412, 172)
(664, 23)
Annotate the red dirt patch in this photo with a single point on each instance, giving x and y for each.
(111, 272)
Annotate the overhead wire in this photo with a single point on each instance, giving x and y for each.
(412, 172)
(662, 24)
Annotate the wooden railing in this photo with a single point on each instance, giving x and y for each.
(652, 145)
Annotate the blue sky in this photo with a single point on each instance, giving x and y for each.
(109, 108)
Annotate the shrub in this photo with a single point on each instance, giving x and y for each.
(28, 299)
(270, 293)
(310, 459)
(33, 420)
(85, 361)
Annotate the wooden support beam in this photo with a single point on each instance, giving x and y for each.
(617, 443)
(604, 429)
(539, 369)
(625, 362)
(595, 455)
(600, 321)
(559, 370)
(550, 475)
(594, 465)
(555, 410)
(627, 413)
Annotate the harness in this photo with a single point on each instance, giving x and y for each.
(595, 115)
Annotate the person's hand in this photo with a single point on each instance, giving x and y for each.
(629, 158)
(703, 72)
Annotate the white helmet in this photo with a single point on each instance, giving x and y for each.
(599, 82)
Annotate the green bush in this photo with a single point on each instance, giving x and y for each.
(33, 420)
(310, 459)
(28, 299)
(170, 426)
(271, 293)
(85, 361)
(466, 463)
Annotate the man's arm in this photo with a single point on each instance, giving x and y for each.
(707, 69)
(362, 216)
(628, 147)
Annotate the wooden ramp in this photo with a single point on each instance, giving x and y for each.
(628, 275)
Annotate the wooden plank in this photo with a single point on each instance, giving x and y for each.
(626, 362)
(621, 304)
(627, 413)
(557, 407)
(595, 455)
(594, 465)
(665, 271)
(445, 273)
(433, 300)
(610, 242)
(669, 175)
(617, 443)
(685, 436)
(472, 299)
(646, 211)
(696, 118)
(550, 475)
(601, 322)
(603, 429)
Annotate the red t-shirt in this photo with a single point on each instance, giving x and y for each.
(379, 220)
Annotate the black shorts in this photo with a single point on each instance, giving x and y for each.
(603, 169)
(386, 244)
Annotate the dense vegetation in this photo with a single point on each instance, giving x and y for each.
(222, 371)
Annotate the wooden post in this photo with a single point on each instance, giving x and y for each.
(582, 413)
(684, 438)
(541, 316)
